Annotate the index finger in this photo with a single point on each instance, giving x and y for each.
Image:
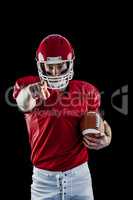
(43, 84)
(97, 135)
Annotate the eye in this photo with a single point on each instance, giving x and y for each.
(50, 67)
(59, 67)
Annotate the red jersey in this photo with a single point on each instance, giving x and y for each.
(54, 127)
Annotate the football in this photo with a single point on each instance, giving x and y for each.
(91, 123)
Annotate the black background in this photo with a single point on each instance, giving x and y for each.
(100, 59)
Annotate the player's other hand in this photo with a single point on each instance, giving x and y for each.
(44, 90)
(39, 90)
(100, 140)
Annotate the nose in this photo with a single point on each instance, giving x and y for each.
(55, 71)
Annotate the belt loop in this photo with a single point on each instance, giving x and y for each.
(57, 179)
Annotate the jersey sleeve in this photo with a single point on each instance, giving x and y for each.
(23, 82)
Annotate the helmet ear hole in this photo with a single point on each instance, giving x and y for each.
(42, 65)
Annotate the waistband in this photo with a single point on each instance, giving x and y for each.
(73, 170)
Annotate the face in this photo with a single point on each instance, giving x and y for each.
(55, 69)
(56, 75)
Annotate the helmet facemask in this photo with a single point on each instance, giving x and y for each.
(58, 81)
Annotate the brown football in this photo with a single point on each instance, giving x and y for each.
(91, 123)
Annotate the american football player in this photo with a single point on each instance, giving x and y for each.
(53, 105)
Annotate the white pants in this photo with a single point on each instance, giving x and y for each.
(74, 184)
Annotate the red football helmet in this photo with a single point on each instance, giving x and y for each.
(55, 49)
